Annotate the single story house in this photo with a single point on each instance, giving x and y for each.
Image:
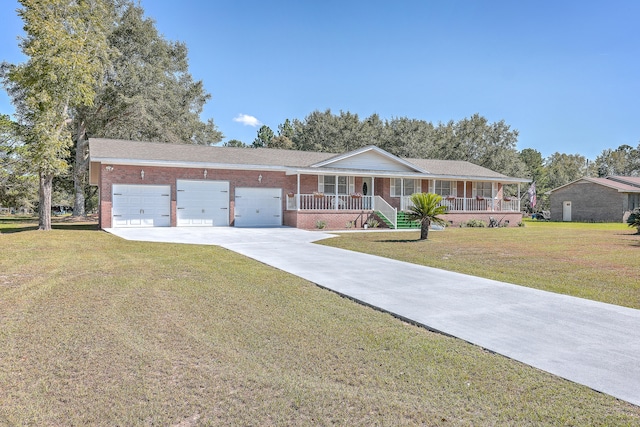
(588, 199)
(144, 184)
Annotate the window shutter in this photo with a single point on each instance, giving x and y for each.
(320, 183)
(474, 189)
(352, 185)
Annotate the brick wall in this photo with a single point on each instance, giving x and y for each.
(154, 175)
(308, 220)
(239, 178)
(590, 202)
(455, 219)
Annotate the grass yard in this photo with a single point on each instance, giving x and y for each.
(95, 330)
(595, 261)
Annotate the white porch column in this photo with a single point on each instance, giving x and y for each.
(464, 197)
(335, 195)
(298, 193)
(373, 192)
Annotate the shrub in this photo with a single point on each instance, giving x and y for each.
(634, 219)
(320, 224)
(349, 224)
(476, 223)
(373, 223)
(521, 224)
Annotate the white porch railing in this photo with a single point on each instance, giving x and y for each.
(471, 204)
(475, 204)
(346, 202)
(387, 210)
(329, 202)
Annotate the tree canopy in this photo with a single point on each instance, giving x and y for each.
(67, 50)
(147, 94)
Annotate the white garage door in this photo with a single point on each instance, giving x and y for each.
(141, 205)
(202, 203)
(258, 207)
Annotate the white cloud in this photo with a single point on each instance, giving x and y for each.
(247, 120)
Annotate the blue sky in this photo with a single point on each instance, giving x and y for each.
(565, 74)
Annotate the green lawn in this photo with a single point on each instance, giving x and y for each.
(594, 261)
(95, 330)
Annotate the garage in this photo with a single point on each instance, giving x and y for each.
(258, 207)
(202, 203)
(141, 205)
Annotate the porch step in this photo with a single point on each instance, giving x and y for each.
(403, 221)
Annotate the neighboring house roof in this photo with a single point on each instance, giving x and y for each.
(631, 180)
(291, 161)
(607, 182)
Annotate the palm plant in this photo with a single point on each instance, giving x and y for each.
(425, 209)
(634, 219)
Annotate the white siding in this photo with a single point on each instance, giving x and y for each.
(370, 160)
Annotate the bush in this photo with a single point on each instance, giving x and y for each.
(634, 219)
(320, 224)
(475, 223)
(373, 223)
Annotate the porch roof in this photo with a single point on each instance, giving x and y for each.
(116, 151)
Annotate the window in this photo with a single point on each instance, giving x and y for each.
(327, 184)
(483, 189)
(409, 186)
(445, 188)
(634, 201)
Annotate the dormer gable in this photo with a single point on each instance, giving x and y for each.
(369, 158)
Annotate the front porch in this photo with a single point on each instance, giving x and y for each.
(339, 211)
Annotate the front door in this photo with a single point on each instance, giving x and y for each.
(367, 190)
(566, 211)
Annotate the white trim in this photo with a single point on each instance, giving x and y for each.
(364, 150)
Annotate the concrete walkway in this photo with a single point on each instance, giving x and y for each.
(587, 342)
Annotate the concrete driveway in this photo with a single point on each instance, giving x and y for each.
(587, 342)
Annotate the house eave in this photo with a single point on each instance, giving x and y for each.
(399, 174)
(191, 165)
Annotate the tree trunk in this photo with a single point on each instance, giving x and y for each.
(424, 229)
(80, 171)
(44, 209)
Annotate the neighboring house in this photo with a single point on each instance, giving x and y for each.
(587, 199)
(153, 184)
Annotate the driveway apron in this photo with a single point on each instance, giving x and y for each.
(588, 342)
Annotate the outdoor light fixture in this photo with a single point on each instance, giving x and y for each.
(109, 168)
(260, 178)
(141, 174)
(205, 174)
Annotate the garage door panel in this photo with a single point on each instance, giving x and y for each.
(202, 203)
(258, 207)
(141, 205)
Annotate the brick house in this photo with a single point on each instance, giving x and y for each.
(588, 199)
(154, 184)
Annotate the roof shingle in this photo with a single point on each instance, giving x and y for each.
(131, 151)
